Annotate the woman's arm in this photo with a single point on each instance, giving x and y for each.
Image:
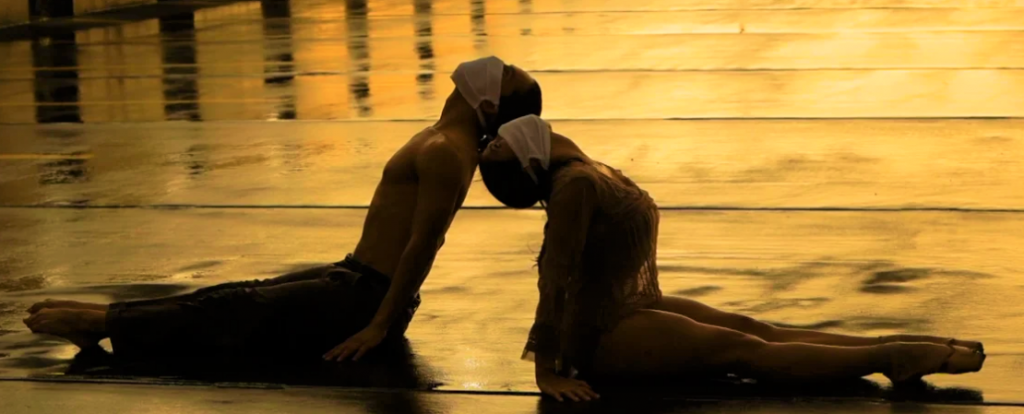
(561, 387)
(570, 210)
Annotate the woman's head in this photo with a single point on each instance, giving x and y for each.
(514, 165)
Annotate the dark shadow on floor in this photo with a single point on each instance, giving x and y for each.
(390, 366)
(734, 388)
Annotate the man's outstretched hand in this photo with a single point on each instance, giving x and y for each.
(357, 345)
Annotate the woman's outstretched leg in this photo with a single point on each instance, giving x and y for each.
(708, 315)
(652, 342)
(972, 345)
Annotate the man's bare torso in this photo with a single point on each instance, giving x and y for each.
(388, 225)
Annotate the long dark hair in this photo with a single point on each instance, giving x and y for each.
(508, 182)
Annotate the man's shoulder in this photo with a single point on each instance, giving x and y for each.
(439, 156)
(427, 142)
(437, 147)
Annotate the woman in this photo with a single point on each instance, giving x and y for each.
(601, 312)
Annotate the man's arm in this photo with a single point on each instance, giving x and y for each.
(440, 184)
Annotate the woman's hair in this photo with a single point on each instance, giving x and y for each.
(510, 184)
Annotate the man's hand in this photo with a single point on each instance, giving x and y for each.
(561, 387)
(358, 344)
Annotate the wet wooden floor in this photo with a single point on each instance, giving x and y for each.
(847, 165)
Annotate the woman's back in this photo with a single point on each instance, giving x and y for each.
(617, 271)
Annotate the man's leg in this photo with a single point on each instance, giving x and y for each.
(308, 274)
(300, 319)
(66, 304)
(83, 327)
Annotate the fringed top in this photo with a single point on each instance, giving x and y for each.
(597, 263)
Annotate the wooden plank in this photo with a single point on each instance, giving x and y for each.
(13, 12)
(745, 164)
(83, 7)
(51, 395)
(702, 52)
(720, 21)
(246, 27)
(443, 24)
(20, 92)
(638, 95)
(405, 8)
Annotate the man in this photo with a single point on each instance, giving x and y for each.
(352, 305)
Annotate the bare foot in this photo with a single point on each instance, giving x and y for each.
(66, 304)
(84, 328)
(972, 345)
(911, 361)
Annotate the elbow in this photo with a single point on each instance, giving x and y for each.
(422, 250)
(426, 243)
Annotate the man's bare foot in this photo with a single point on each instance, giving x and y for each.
(911, 361)
(66, 304)
(972, 345)
(84, 328)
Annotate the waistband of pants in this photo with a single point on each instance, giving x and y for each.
(364, 270)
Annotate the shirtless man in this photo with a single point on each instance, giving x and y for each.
(352, 305)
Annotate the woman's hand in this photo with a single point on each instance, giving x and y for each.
(561, 387)
(358, 344)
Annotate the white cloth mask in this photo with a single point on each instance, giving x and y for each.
(479, 81)
(530, 139)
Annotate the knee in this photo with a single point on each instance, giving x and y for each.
(741, 348)
(751, 326)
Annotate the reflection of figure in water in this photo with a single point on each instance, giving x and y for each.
(181, 73)
(602, 314)
(356, 24)
(56, 79)
(358, 302)
(424, 49)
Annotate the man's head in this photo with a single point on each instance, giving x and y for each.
(520, 96)
(497, 92)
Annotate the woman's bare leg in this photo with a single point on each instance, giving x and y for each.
(708, 315)
(652, 342)
(973, 345)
